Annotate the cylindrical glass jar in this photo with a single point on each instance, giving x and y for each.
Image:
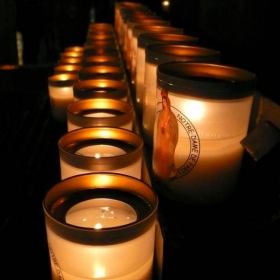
(99, 149)
(139, 29)
(202, 114)
(60, 89)
(146, 39)
(85, 234)
(100, 88)
(156, 55)
(99, 112)
(128, 35)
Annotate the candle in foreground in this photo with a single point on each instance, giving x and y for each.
(202, 114)
(101, 226)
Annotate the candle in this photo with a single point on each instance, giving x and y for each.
(93, 219)
(99, 112)
(146, 39)
(70, 69)
(60, 88)
(202, 114)
(163, 27)
(93, 149)
(100, 88)
(69, 60)
(156, 55)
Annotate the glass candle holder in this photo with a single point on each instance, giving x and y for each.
(102, 72)
(60, 88)
(101, 50)
(144, 40)
(93, 219)
(69, 60)
(139, 29)
(98, 149)
(67, 69)
(202, 114)
(159, 54)
(102, 39)
(101, 88)
(99, 112)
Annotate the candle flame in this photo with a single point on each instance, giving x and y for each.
(98, 226)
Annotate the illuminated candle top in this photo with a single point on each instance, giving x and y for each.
(101, 213)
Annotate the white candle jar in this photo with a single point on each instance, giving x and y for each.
(149, 20)
(96, 149)
(118, 242)
(100, 88)
(156, 55)
(202, 114)
(60, 88)
(163, 27)
(146, 39)
(99, 112)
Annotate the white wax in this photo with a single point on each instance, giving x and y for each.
(131, 260)
(101, 213)
(60, 98)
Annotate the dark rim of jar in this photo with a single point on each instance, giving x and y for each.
(70, 142)
(163, 53)
(104, 182)
(206, 80)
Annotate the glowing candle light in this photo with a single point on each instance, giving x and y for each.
(60, 87)
(99, 112)
(93, 149)
(93, 219)
(156, 55)
(202, 114)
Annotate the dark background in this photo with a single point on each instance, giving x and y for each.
(239, 238)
